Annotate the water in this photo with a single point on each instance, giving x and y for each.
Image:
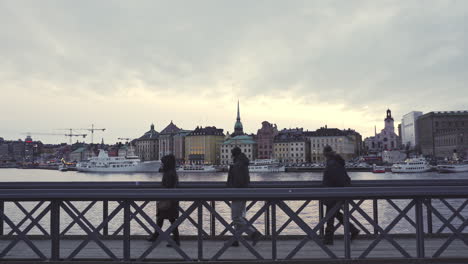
(310, 214)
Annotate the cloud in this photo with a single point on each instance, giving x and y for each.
(356, 57)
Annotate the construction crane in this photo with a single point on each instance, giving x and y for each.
(92, 129)
(70, 135)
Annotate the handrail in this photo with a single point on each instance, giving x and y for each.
(238, 193)
(222, 184)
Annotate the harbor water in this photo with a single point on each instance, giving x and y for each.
(310, 215)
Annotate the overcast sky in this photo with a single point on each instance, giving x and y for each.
(123, 65)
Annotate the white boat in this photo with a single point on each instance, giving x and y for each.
(197, 168)
(412, 165)
(129, 163)
(456, 167)
(266, 165)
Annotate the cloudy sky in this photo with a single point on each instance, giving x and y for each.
(123, 65)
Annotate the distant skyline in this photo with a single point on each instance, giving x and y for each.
(123, 65)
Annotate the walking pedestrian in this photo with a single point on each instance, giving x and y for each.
(168, 209)
(239, 177)
(335, 175)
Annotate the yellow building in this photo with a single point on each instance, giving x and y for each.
(202, 146)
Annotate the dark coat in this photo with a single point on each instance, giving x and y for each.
(169, 180)
(335, 175)
(238, 175)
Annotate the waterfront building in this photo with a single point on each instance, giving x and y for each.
(408, 129)
(441, 134)
(393, 156)
(347, 143)
(81, 154)
(291, 146)
(202, 145)
(246, 143)
(179, 145)
(387, 139)
(265, 139)
(166, 139)
(147, 146)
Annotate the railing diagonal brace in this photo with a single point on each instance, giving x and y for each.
(165, 235)
(238, 233)
(81, 214)
(384, 233)
(311, 233)
(22, 234)
(29, 215)
(92, 234)
(454, 215)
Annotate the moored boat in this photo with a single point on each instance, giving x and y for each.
(378, 169)
(266, 165)
(411, 166)
(198, 168)
(129, 163)
(455, 167)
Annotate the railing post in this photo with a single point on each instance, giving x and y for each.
(2, 210)
(419, 229)
(273, 231)
(105, 214)
(322, 230)
(346, 237)
(200, 231)
(55, 230)
(375, 211)
(429, 216)
(126, 231)
(213, 220)
(267, 221)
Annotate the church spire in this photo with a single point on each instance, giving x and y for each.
(238, 128)
(238, 111)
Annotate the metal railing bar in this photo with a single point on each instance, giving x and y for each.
(384, 232)
(454, 215)
(236, 234)
(29, 215)
(21, 235)
(311, 233)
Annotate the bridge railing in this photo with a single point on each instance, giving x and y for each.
(124, 213)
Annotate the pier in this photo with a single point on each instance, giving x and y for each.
(400, 221)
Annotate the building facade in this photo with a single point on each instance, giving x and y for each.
(265, 140)
(440, 134)
(147, 146)
(166, 139)
(246, 143)
(346, 143)
(202, 145)
(408, 129)
(387, 139)
(179, 145)
(291, 146)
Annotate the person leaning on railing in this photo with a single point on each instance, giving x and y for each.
(168, 209)
(239, 177)
(335, 175)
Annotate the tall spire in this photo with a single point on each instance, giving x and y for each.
(238, 111)
(238, 128)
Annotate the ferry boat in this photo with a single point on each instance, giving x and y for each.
(197, 168)
(129, 163)
(412, 165)
(455, 167)
(266, 165)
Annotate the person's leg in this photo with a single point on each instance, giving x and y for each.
(175, 232)
(330, 228)
(352, 229)
(155, 235)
